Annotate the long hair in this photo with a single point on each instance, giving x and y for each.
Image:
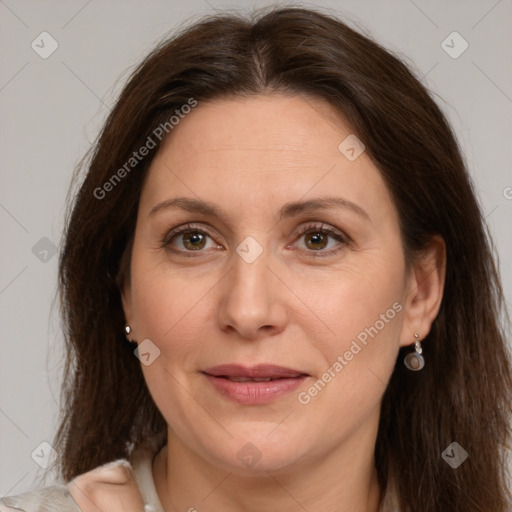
(462, 395)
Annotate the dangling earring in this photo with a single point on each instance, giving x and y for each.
(415, 361)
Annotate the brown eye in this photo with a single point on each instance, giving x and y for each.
(321, 240)
(189, 240)
(316, 241)
(193, 240)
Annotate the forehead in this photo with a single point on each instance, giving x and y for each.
(266, 125)
(260, 150)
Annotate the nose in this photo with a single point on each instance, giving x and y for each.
(252, 301)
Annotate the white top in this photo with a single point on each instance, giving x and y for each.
(57, 498)
(142, 463)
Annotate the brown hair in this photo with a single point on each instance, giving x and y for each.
(464, 392)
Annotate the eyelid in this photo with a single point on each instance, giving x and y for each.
(189, 226)
(332, 232)
(323, 227)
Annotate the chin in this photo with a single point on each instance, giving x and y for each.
(260, 450)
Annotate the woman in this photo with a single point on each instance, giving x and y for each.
(278, 289)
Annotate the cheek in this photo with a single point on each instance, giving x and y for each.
(171, 312)
(362, 308)
(362, 302)
(170, 309)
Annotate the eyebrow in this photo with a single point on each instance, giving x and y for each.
(288, 210)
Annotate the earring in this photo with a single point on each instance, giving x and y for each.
(415, 361)
(128, 330)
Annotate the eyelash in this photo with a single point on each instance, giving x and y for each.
(303, 230)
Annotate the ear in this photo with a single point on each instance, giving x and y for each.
(126, 300)
(123, 281)
(425, 284)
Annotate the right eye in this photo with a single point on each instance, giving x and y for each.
(188, 239)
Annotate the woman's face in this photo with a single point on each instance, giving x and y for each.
(291, 258)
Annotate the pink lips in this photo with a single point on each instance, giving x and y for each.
(254, 385)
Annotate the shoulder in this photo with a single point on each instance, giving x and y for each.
(119, 486)
(109, 487)
(54, 498)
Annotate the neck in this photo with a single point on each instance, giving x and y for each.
(345, 480)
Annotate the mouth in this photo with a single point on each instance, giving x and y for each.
(248, 379)
(254, 385)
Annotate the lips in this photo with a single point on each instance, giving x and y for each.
(254, 385)
(259, 373)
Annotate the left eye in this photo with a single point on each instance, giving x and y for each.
(321, 239)
(316, 240)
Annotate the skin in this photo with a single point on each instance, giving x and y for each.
(289, 307)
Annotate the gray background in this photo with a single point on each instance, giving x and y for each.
(51, 109)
